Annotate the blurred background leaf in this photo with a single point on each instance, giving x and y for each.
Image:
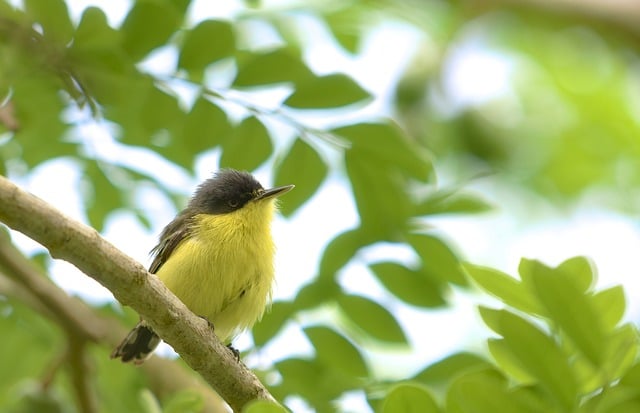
(508, 108)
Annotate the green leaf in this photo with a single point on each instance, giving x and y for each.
(248, 146)
(303, 167)
(299, 376)
(103, 197)
(508, 362)
(387, 144)
(341, 250)
(111, 79)
(53, 16)
(379, 163)
(184, 401)
(272, 322)
(632, 377)
(442, 372)
(143, 218)
(331, 91)
(412, 287)
(9, 11)
(125, 97)
(38, 106)
(205, 126)
(208, 42)
(160, 112)
(438, 259)
(409, 398)
(34, 398)
(117, 385)
(314, 380)
(336, 351)
(346, 27)
(180, 5)
(372, 318)
(148, 25)
(93, 32)
(491, 317)
(486, 392)
(619, 399)
(540, 356)
(570, 309)
(588, 377)
(531, 399)
(452, 203)
(624, 396)
(610, 305)
(25, 332)
(580, 270)
(263, 406)
(622, 350)
(142, 109)
(525, 270)
(276, 66)
(383, 205)
(149, 402)
(504, 287)
(315, 294)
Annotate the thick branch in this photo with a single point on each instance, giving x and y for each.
(21, 279)
(132, 285)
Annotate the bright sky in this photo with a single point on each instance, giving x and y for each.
(497, 239)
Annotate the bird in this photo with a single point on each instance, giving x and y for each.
(217, 257)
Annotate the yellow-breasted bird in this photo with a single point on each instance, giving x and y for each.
(217, 257)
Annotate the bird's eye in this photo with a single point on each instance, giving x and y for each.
(233, 203)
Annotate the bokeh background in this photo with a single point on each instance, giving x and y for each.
(420, 135)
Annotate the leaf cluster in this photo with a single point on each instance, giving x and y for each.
(556, 119)
(559, 346)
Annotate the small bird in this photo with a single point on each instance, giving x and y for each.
(217, 257)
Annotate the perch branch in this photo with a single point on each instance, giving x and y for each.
(132, 285)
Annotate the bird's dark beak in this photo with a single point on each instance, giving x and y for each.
(273, 192)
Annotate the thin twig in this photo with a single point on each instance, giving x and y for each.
(80, 370)
(51, 370)
(8, 116)
(303, 130)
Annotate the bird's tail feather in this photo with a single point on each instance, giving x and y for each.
(138, 345)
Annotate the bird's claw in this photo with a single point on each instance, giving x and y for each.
(234, 351)
(209, 323)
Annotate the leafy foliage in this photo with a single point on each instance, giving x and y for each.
(578, 354)
(560, 344)
(301, 164)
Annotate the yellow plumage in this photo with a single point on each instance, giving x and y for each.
(217, 257)
(228, 261)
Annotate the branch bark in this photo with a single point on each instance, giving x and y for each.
(21, 280)
(132, 285)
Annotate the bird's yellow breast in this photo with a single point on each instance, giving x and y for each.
(224, 269)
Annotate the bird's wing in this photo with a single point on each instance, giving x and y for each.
(172, 235)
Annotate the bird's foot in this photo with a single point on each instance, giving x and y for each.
(234, 351)
(209, 323)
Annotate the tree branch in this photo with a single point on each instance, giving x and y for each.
(132, 285)
(21, 279)
(80, 368)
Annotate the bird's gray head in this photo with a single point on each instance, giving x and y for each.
(228, 191)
